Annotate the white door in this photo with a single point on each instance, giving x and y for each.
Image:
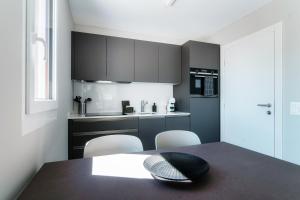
(249, 92)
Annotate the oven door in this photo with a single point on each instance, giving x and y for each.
(197, 84)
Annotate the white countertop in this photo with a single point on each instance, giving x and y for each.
(139, 115)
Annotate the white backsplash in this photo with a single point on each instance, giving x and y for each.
(107, 97)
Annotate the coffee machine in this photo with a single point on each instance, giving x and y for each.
(171, 105)
(126, 108)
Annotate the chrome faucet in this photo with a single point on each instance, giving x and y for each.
(143, 104)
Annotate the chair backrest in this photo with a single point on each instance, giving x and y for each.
(112, 144)
(176, 138)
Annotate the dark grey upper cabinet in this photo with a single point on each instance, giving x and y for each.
(146, 61)
(148, 129)
(204, 55)
(169, 63)
(120, 59)
(98, 57)
(88, 56)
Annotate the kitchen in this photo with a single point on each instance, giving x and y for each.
(100, 93)
(158, 67)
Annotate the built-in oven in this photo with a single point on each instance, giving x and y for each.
(204, 82)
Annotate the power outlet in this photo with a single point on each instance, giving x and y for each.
(295, 108)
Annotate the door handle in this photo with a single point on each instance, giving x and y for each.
(268, 105)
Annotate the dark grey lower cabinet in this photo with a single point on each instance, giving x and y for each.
(205, 118)
(83, 130)
(148, 129)
(178, 123)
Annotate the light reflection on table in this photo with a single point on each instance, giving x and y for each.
(121, 165)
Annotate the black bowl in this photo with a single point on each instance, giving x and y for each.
(175, 166)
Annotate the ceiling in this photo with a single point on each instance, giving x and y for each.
(188, 19)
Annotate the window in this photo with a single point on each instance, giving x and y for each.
(40, 56)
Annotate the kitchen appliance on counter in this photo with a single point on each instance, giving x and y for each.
(204, 82)
(171, 105)
(126, 108)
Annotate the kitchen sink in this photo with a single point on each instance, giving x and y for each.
(146, 113)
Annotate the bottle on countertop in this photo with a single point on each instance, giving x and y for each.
(154, 108)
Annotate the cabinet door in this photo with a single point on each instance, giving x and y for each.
(178, 123)
(204, 55)
(146, 61)
(89, 56)
(120, 59)
(148, 129)
(169, 63)
(83, 130)
(205, 118)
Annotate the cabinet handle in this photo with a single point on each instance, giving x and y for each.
(78, 147)
(102, 120)
(175, 116)
(108, 132)
(152, 117)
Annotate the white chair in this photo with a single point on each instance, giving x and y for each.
(112, 144)
(176, 138)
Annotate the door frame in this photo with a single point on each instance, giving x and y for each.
(278, 86)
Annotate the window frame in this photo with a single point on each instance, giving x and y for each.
(33, 105)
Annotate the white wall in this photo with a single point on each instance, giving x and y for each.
(22, 154)
(287, 11)
(108, 97)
